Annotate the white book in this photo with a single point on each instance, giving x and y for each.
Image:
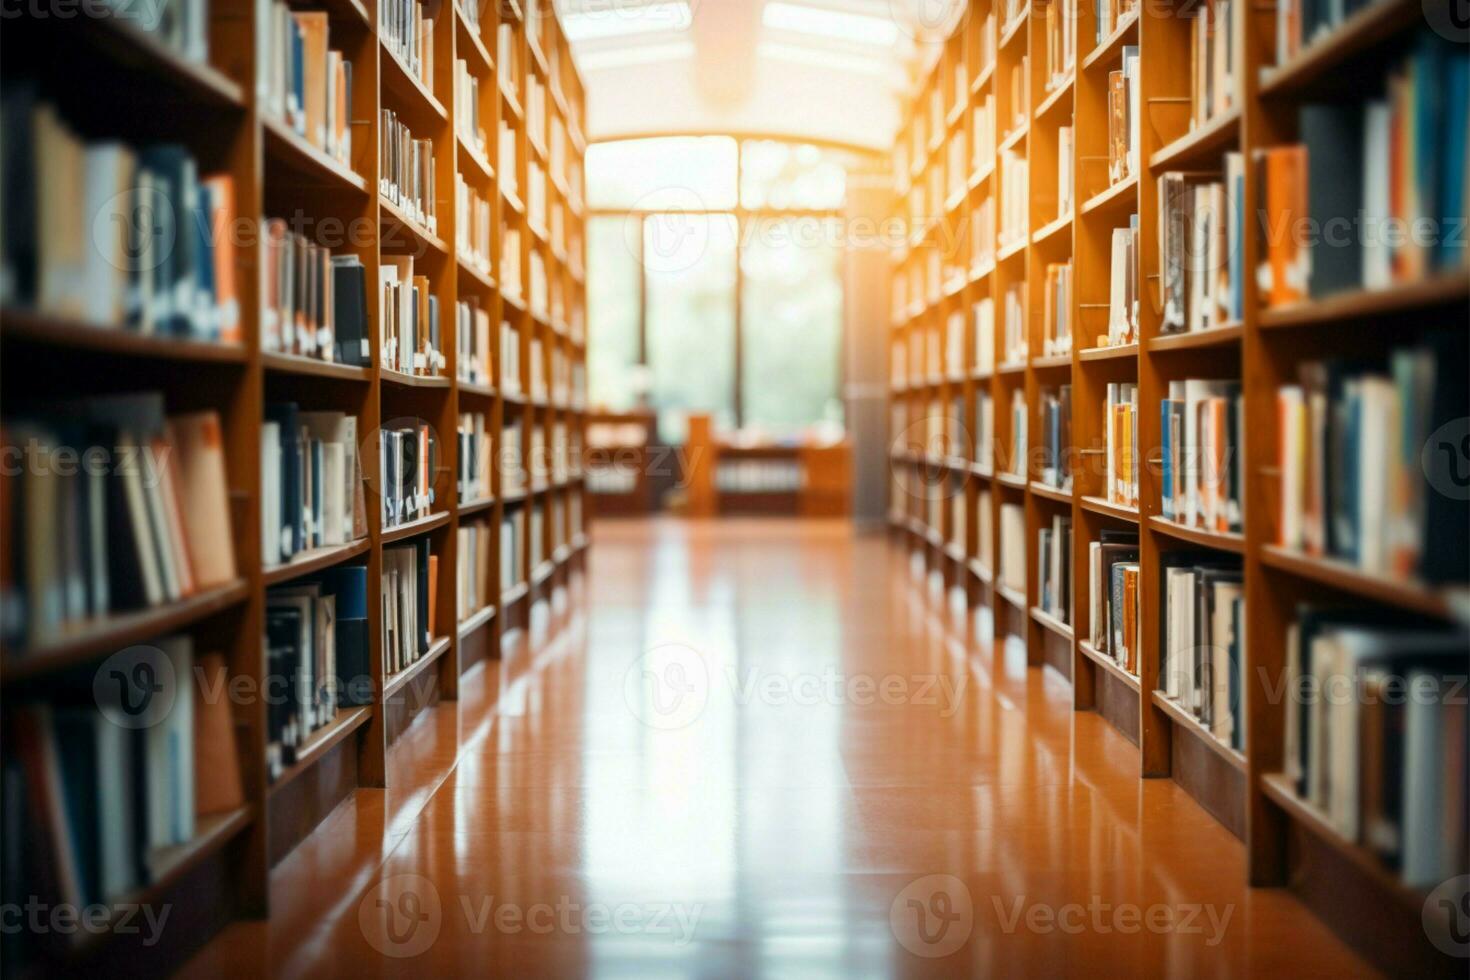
(1378, 418)
(169, 744)
(1118, 288)
(1377, 117)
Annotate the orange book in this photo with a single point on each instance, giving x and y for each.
(1216, 475)
(220, 190)
(313, 26)
(433, 591)
(204, 496)
(217, 785)
(1286, 210)
(166, 459)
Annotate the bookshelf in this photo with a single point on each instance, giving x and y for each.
(110, 79)
(950, 509)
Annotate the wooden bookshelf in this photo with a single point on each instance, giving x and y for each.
(1287, 842)
(111, 79)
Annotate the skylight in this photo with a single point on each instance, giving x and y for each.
(836, 24)
(621, 19)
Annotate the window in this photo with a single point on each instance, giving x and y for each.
(685, 232)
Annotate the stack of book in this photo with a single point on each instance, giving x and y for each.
(472, 214)
(1202, 664)
(510, 358)
(409, 36)
(1371, 467)
(1200, 483)
(1016, 346)
(1066, 145)
(513, 549)
(1015, 201)
(510, 258)
(1016, 465)
(1120, 416)
(409, 332)
(1056, 437)
(1056, 321)
(315, 303)
(982, 235)
(1013, 547)
(304, 83)
(467, 108)
(1108, 14)
(1113, 597)
(985, 529)
(983, 135)
(1124, 118)
(1061, 42)
(105, 803)
(473, 559)
(1375, 735)
(475, 458)
(406, 171)
(472, 335)
(409, 584)
(311, 482)
(510, 459)
(1374, 194)
(984, 318)
(316, 639)
(984, 429)
(72, 244)
(1123, 287)
(1201, 228)
(1054, 567)
(1214, 61)
(954, 345)
(408, 459)
(111, 506)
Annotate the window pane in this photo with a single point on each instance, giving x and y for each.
(612, 304)
(686, 173)
(791, 324)
(792, 175)
(690, 272)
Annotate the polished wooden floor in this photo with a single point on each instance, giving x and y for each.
(752, 748)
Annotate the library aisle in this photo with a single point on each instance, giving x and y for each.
(744, 748)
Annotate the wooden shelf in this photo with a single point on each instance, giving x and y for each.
(1406, 594)
(1051, 362)
(467, 36)
(1050, 492)
(1184, 721)
(1202, 145)
(398, 681)
(415, 100)
(1055, 97)
(311, 367)
(1368, 303)
(402, 532)
(401, 380)
(1050, 622)
(471, 160)
(1013, 480)
(306, 562)
(1015, 598)
(42, 329)
(1097, 505)
(477, 277)
(514, 594)
(1366, 28)
(475, 620)
(320, 742)
(291, 150)
(1227, 336)
(1051, 230)
(123, 40)
(1108, 664)
(1220, 540)
(1015, 28)
(1119, 352)
(422, 240)
(1120, 198)
(469, 507)
(85, 641)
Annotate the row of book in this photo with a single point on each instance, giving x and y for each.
(410, 331)
(1015, 200)
(1120, 419)
(1054, 568)
(513, 475)
(472, 335)
(1214, 61)
(1375, 734)
(1201, 423)
(513, 549)
(303, 81)
(406, 171)
(758, 476)
(467, 108)
(472, 225)
(314, 303)
(1015, 344)
(1113, 597)
(1109, 14)
(1056, 437)
(409, 36)
(475, 458)
(311, 482)
(111, 506)
(408, 463)
(409, 584)
(1122, 287)
(1012, 571)
(92, 808)
(1066, 169)
(1370, 462)
(1016, 463)
(1060, 27)
(1202, 647)
(1201, 229)
(1056, 312)
(473, 582)
(112, 233)
(1124, 118)
(316, 640)
(1375, 192)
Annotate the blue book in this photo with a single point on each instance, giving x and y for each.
(1452, 194)
(1167, 476)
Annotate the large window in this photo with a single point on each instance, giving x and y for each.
(715, 280)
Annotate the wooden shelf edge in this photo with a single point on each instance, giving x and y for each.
(1047, 621)
(397, 682)
(1215, 136)
(280, 363)
(1230, 334)
(1219, 540)
(315, 560)
(477, 619)
(1110, 665)
(1360, 304)
(1337, 574)
(18, 324)
(1098, 505)
(323, 741)
(402, 532)
(1187, 722)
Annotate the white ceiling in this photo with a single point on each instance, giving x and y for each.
(830, 70)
